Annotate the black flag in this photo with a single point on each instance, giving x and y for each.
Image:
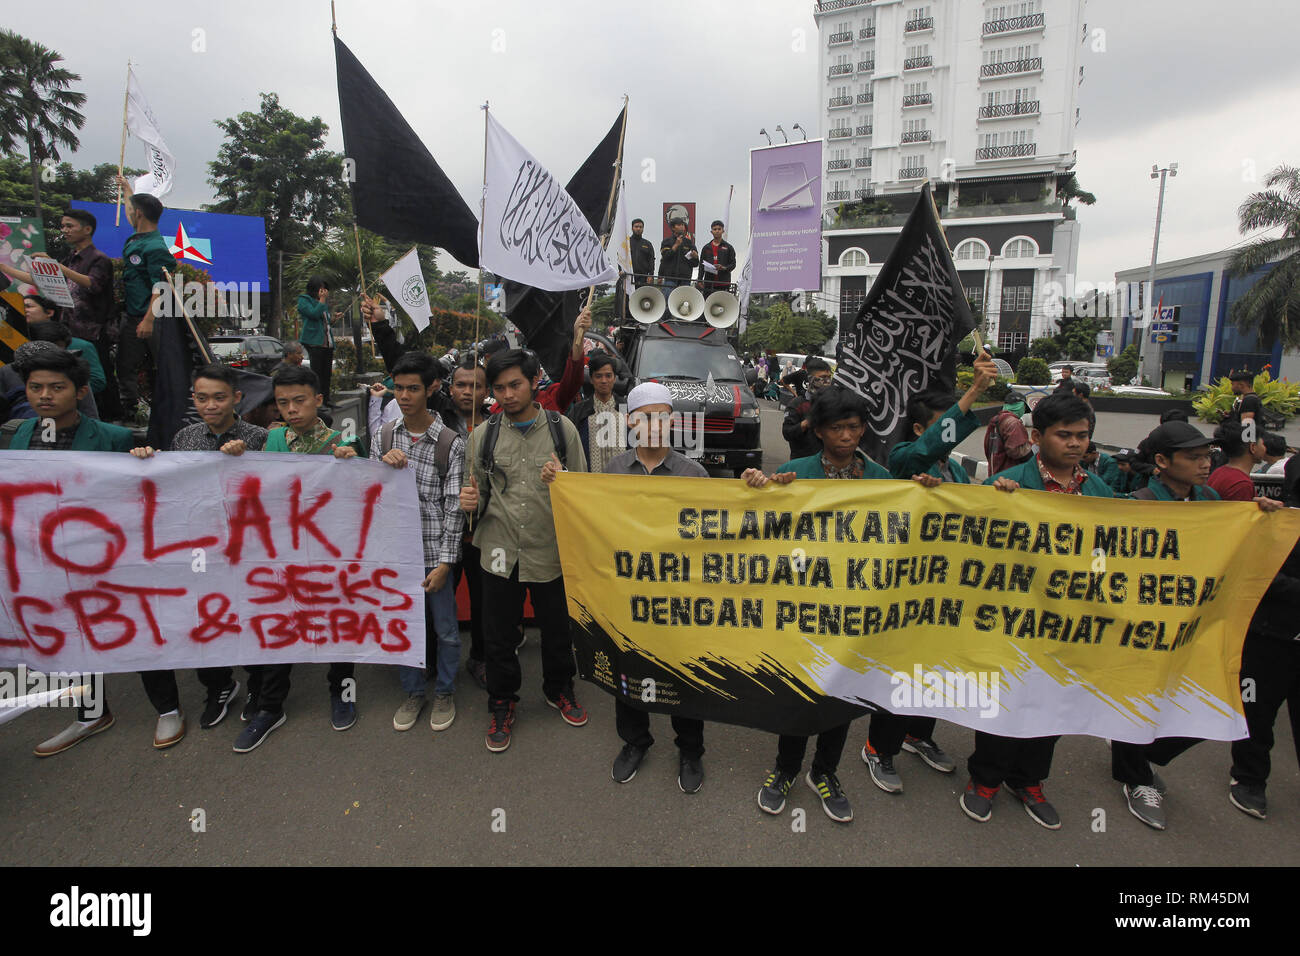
(398, 190)
(904, 338)
(546, 318)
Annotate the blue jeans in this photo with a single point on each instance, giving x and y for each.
(439, 619)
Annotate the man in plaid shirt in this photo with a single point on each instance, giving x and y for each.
(417, 439)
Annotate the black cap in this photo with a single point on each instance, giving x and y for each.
(1174, 436)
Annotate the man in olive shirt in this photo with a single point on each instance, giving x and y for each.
(515, 535)
(649, 410)
(144, 257)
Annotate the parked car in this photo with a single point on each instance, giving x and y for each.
(1139, 391)
(261, 353)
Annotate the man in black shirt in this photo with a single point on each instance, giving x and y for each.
(719, 254)
(642, 252)
(1247, 406)
(1066, 385)
(677, 256)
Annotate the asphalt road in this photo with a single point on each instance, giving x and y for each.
(369, 796)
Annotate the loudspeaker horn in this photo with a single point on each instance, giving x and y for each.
(685, 303)
(722, 309)
(646, 304)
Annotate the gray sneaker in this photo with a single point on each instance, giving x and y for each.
(1146, 804)
(930, 752)
(409, 712)
(883, 774)
(444, 712)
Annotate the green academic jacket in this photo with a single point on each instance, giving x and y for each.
(927, 453)
(811, 467)
(92, 435)
(1027, 476)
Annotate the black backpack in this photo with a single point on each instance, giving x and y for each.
(486, 452)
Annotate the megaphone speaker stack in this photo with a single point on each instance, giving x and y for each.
(685, 303)
(647, 304)
(722, 309)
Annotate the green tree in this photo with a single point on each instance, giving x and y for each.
(1077, 338)
(1069, 189)
(783, 331)
(1123, 368)
(274, 164)
(1045, 349)
(36, 104)
(1033, 371)
(1271, 308)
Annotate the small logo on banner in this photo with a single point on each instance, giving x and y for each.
(413, 291)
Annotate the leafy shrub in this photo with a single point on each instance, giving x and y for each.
(1033, 371)
(1279, 397)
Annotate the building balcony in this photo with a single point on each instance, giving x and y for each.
(1000, 110)
(864, 130)
(1010, 151)
(867, 66)
(835, 164)
(840, 69)
(837, 195)
(865, 99)
(867, 33)
(1032, 64)
(830, 6)
(840, 102)
(912, 172)
(915, 136)
(918, 99)
(1033, 21)
(919, 62)
(863, 193)
(918, 25)
(862, 162)
(842, 132)
(839, 39)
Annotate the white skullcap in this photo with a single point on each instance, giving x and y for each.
(649, 393)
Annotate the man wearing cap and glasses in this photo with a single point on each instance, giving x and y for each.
(649, 414)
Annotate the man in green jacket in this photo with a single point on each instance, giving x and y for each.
(145, 255)
(938, 426)
(314, 310)
(55, 380)
(839, 419)
(43, 327)
(1062, 430)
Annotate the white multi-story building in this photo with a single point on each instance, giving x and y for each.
(978, 97)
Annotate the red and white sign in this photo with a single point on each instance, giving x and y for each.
(190, 559)
(48, 278)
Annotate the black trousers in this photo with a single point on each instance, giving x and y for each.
(109, 401)
(133, 354)
(321, 361)
(1016, 761)
(887, 731)
(1131, 763)
(269, 683)
(160, 686)
(634, 728)
(503, 606)
(1275, 667)
(790, 751)
(473, 570)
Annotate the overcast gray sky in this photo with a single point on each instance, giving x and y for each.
(1207, 85)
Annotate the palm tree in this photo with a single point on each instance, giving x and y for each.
(1271, 307)
(36, 104)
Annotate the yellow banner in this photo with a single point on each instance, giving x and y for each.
(795, 608)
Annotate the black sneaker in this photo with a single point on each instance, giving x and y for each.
(214, 711)
(977, 801)
(827, 786)
(1036, 805)
(503, 721)
(771, 796)
(690, 774)
(258, 729)
(627, 763)
(1248, 799)
(343, 713)
(250, 706)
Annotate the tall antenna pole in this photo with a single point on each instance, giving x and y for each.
(121, 156)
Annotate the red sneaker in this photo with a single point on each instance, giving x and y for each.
(503, 719)
(569, 709)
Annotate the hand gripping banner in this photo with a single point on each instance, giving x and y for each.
(793, 609)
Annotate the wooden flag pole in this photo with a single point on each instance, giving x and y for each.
(361, 270)
(482, 217)
(121, 154)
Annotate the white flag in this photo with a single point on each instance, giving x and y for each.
(140, 121)
(622, 232)
(533, 231)
(745, 283)
(406, 282)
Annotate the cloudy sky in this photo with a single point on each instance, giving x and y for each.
(1207, 85)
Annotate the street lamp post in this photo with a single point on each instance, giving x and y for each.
(802, 132)
(1150, 353)
(764, 132)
